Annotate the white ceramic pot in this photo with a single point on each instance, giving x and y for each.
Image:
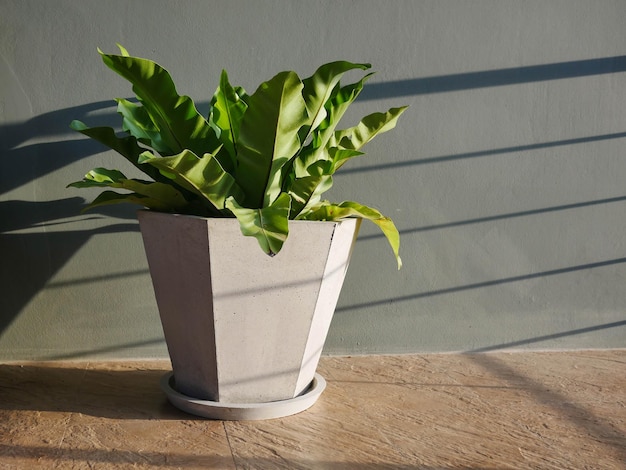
(242, 327)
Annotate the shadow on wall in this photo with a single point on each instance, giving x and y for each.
(485, 153)
(29, 150)
(32, 250)
(38, 147)
(30, 260)
(493, 78)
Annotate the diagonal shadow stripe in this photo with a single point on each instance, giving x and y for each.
(581, 415)
(492, 218)
(538, 339)
(96, 279)
(482, 153)
(479, 285)
(103, 350)
(494, 78)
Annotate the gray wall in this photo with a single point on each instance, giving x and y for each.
(505, 176)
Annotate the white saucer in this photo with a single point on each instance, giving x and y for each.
(243, 411)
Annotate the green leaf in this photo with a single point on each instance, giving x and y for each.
(226, 114)
(269, 225)
(126, 146)
(111, 197)
(155, 195)
(122, 49)
(329, 211)
(336, 106)
(138, 123)
(180, 124)
(301, 190)
(168, 197)
(99, 177)
(263, 158)
(316, 196)
(370, 126)
(339, 156)
(268, 138)
(319, 87)
(203, 176)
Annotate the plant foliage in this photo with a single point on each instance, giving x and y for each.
(264, 158)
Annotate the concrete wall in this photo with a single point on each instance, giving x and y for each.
(505, 177)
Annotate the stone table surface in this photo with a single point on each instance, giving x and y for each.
(524, 410)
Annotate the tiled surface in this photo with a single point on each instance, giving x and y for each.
(490, 411)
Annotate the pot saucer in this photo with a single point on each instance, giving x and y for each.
(242, 411)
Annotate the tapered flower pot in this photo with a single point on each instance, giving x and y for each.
(244, 330)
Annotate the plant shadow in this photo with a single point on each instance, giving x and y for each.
(32, 253)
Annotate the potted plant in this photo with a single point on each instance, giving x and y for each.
(244, 330)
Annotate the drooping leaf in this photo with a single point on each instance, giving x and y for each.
(329, 211)
(269, 225)
(201, 175)
(268, 137)
(179, 122)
